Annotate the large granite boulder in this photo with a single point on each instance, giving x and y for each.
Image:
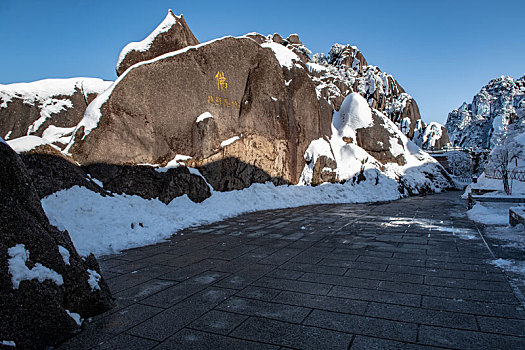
(381, 140)
(46, 288)
(49, 108)
(229, 98)
(171, 35)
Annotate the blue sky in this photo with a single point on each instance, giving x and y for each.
(442, 52)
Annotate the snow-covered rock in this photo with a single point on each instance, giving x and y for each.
(499, 106)
(172, 34)
(42, 276)
(48, 109)
(366, 145)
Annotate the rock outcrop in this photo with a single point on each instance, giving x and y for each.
(435, 136)
(46, 288)
(171, 35)
(499, 105)
(148, 182)
(49, 108)
(235, 98)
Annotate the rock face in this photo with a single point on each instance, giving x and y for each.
(148, 182)
(231, 96)
(52, 171)
(377, 140)
(500, 105)
(171, 35)
(435, 136)
(44, 283)
(48, 108)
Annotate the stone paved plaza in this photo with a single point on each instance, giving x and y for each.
(413, 274)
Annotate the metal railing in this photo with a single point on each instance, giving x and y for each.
(498, 174)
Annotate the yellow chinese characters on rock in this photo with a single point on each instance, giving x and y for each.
(221, 81)
(222, 85)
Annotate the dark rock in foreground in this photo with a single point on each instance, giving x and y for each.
(44, 283)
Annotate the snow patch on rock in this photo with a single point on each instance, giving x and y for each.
(76, 317)
(145, 44)
(65, 254)
(20, 272)
(94, 278)
(286, 57)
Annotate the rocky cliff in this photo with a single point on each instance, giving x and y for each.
(46, 288)
(499, 105)
(241, 110)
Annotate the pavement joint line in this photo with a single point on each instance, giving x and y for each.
(515, 289)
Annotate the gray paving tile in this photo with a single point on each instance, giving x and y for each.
(507, 326)
(322, 302)
(474, 307)
(126, 342)
(194, 339)
(422, 316)
(363, 325)
(340, 280)
(266, 309)
(172, 320)
(172, 295)
(217, 321)
(460, 339)
(376, 295)
(369, 343)
(260, 293)
(295, 286)
(291, 335)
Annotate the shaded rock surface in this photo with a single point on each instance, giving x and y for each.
(52, 171)
(171, 35)
(33, 312)
(147, 182)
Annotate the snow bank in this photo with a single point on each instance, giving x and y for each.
(103, 225)
(489, 214)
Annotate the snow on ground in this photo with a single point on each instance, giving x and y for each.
(483, 182)
(511, 236)
(490, 213)
(105, 225)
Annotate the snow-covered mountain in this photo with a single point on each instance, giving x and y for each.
(345, 70)
(498, 107)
